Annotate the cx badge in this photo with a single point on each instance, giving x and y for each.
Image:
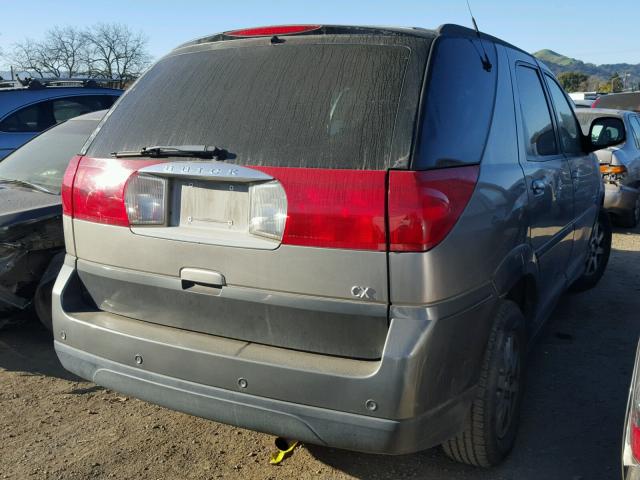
(365, 293)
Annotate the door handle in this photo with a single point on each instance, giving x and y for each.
(538, 187)
(205, 278)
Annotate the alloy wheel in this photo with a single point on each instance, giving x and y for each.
(508, 384)
(596, 249)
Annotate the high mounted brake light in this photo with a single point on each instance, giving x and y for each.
(274, 30)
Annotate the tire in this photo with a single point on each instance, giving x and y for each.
(631, 218)
(597, 254)
(491, 428)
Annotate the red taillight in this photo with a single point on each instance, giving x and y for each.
(99, 189)
(67, 185)
(333, 208)
(324, 207)
(595, 103)
(424, 206)
(275, 30)
(635, 441)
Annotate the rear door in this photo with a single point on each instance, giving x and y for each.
(585, 175)
(548, 179)
(22, 125)
(283, 242)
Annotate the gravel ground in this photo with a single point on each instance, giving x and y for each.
(55, 426)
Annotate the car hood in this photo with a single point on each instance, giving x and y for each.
(19, 205)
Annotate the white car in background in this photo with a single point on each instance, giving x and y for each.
(619, 165)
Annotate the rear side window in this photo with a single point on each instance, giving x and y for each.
(292, 105)
(66, 108)
(40, 116)
(539, 135)
(33, 118)
(570, 138)
(458, 104)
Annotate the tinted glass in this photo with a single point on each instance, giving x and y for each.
(33, 118)
(294, 105)
(66, 108)
(459, 102)
(44, 159)
(570, 135)
(539, 134)
(607, 131)
(43, 115)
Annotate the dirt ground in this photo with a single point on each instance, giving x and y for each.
(56, 426)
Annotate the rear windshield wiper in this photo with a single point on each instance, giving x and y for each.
(196, 151)
(24, 183)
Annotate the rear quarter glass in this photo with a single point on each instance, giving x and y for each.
(318, 105)
(458, 105)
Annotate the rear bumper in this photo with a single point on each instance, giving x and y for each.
(619, 199)
(302, 422)
(422, 386)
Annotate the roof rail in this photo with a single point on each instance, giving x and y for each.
(37, 83)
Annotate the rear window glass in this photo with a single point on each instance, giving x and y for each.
(459, 104)
(328, 106)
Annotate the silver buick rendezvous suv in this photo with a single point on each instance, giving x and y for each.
(343, 235)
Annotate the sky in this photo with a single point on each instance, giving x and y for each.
(588, 30)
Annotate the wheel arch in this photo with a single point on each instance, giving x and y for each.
(516, 279)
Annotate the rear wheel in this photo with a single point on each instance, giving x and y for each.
(493, 423)
(597, 254)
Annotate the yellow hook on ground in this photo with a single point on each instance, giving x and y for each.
(285, 447)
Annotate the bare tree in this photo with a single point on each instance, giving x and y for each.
(27, 56)
(50, 57)
(106, 50)
(114, 51)
(65, 49)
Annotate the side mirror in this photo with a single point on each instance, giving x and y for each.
(605, 132)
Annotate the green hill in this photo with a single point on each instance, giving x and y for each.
(559, 63)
